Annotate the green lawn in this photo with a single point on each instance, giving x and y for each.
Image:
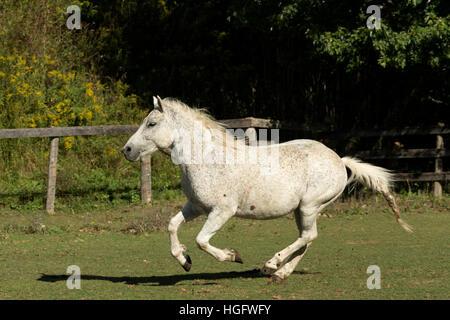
(117, 264)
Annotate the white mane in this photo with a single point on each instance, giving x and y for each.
(207, 120)
(198, 114)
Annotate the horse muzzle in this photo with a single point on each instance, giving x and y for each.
(130, 153)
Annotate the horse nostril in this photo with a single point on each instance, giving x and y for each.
(126, 150)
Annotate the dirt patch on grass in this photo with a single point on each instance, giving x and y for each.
(362, 242)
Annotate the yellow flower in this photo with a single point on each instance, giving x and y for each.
(21, 61)
(89, 92)
(89, 115)
(67, 145)
(68, 77)
(58, 106)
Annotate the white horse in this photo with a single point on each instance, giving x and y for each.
(309, 176)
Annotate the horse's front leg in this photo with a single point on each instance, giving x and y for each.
(216, 219)
(176, 248)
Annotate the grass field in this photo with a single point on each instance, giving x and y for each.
(124, 254)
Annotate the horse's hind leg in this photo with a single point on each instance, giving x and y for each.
(294, 259)
(176, 248)
(308, 232)
(289, 267)
(216, 219)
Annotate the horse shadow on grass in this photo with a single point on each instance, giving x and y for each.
(168, 280)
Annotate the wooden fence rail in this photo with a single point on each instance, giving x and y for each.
(55, 132)
(66, 131)
(436, 130)
(404, 154)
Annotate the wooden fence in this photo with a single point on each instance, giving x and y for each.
(438, 152)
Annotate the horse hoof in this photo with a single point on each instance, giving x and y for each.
(267, 271)
(276, 279)
(237, 257)
(188, 264)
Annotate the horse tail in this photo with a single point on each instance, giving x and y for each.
(376, 178)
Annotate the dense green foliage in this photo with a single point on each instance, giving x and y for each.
(311, 61)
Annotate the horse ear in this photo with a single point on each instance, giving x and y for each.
(157, 103)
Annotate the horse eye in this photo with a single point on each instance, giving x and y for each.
(151, 124)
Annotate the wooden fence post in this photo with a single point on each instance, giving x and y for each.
(438, 166)
(51, 186)
(146, 179)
